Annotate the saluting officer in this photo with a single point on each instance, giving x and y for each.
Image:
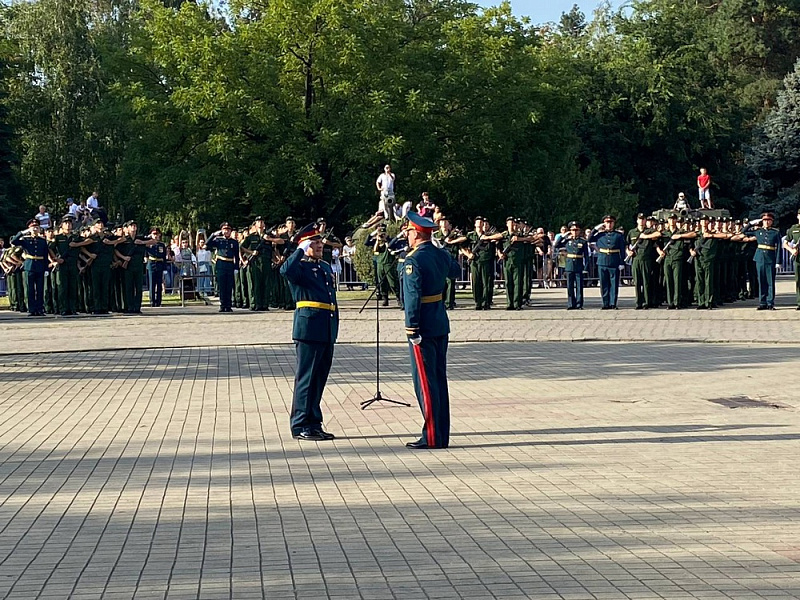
(315, 328)
(156, 262)
(610, 246)
(35, 254)
(227, 251)
(769, 241)
(577, 253)
(792, 244)
(427, 327)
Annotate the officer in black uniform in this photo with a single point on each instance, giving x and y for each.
(427, 327)
(227, 250)
(316, 326)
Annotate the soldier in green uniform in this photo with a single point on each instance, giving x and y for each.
(792, 244)
(769, 240)
(283, 295)
(240, 291)
(450, 240)
(103, 245)
(12, 265)
(50, 291)
(577, 254)
(512, 254)
(706, 254)
(256, 263)
(387, 266)
(481, 253)
(66, 247)
(131, 251)
(642, 248)
(674, 255)
(116, 296)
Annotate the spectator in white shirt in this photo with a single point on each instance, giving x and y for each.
(43, 217)
(203, 267)
(93, 201)
(385, 185)
(400, 211)
(72, 208)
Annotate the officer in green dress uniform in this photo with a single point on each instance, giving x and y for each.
(227, 265)
(480, 251)
(769, 240)
(36, 256)
(792, 244)
(610, 245)
(315, 328)
(577, 254)
(156, 263)
(427, 327)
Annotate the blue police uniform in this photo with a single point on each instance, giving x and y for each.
(769, 241)
(35, 253)
(610, 252)
(156, 261)
(227, 250)
(315, 328)
(425, 272)
(577, 253)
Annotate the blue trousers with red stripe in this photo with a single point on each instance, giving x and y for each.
(435, 408)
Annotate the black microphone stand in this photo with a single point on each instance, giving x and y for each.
(378, 397)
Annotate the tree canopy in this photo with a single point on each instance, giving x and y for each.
(184, 113)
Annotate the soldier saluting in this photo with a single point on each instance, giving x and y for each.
(315, 328)
(35, 255)
(610, 246)
(227, 266)
(577, 253)
(769, 240)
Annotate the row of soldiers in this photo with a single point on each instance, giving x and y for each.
(95, 269)
(678, 261)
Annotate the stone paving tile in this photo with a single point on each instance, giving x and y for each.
(595, 470)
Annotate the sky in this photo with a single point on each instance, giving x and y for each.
(541, 11)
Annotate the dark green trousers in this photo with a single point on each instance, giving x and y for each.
(66, 277)
(514, 273)
(482, 282)
(705, 283)
(643, 271)
(133, 282)
(673, 281)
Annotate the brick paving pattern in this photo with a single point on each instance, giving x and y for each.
(577, 471)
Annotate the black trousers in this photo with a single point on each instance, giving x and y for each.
(434, 399)
(224, 272)
(35, 292)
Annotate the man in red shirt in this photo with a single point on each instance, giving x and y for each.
(704, 189)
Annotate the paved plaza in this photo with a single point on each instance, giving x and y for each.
(156, 462)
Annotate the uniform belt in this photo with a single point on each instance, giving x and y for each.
(32, 257)
(765, 247)
(431, 299)
(609, 251)
(154, 259)
(321, 305)
(225, 258)
(574, 255)
(401, 260)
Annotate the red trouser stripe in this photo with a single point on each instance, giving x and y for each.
(426, 396)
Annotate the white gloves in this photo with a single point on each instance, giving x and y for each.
(304, 245)
(416, 340)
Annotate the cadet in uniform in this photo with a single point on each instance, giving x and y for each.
(451, 240)
(610, 246)
(769, 240)
(427, 327)
(674, 256)
(36, 256)
(227, 251)
(258, 256)
(481, 253)
(792, 244)
(132, 252)
(642, 247)
(577, 254)
(156, 262)
(316, 326)
(398, 247)
(66, 248)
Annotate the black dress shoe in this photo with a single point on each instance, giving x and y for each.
(419, 445)
(762, 307)
(324, 434)
(309, 436)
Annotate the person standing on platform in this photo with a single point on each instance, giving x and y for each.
(227, 251)
(314, 331)
(156, 263)
(35, 254)
(425, 273)
(610, 246)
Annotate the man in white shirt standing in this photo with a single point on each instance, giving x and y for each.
(92, 202)
(385, 185)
